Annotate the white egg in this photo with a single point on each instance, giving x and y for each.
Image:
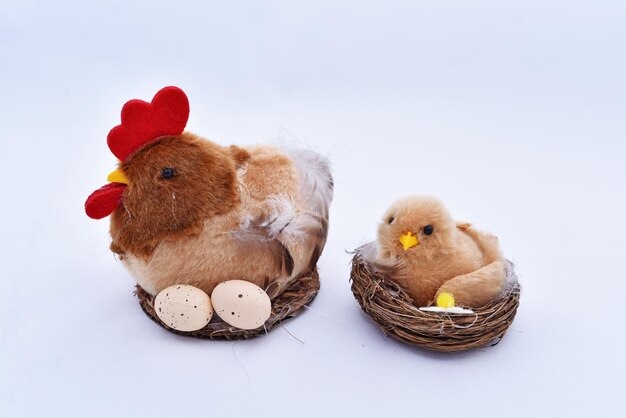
(183, 307)
(241, 304)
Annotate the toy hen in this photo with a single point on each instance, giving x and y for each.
(435, 259)
(185, 210)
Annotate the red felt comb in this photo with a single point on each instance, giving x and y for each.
(104, 201)
(143, 122)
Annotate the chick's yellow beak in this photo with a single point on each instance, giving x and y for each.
(117, 176)
(408, 240)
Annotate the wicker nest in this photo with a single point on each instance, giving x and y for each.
(393, 310)
(286, 305)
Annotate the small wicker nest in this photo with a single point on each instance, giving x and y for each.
(286, 305)
(393, 310)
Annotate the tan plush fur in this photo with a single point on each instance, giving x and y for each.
(156, 209)
(455, 258)
(234, 233)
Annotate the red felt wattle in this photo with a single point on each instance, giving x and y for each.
(143, 122)
(104, 201)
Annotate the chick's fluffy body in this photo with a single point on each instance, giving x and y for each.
(454, 258)
(227, 213)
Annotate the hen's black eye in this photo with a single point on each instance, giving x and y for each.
(428, 229)
(390, 220)
(167, 173)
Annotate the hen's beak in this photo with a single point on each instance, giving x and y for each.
(409, 240)
(118, 176)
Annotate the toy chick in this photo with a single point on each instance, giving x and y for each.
(437, 260)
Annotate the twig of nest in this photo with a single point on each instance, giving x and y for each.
(394, 311)
(287, 304)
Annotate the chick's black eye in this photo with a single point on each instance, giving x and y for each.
(428, 229)
(167, 173)
(390, 220)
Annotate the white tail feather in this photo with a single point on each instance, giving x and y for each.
(316, 181)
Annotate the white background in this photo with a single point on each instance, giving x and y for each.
(513, 112)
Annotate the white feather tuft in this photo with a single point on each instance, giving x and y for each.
(286, 221)
(510, 280)
(371, 255)
(316, 182)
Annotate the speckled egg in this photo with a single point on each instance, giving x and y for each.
(241, 304)
(183, 307)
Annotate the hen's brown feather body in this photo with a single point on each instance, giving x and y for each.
(190, 232)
